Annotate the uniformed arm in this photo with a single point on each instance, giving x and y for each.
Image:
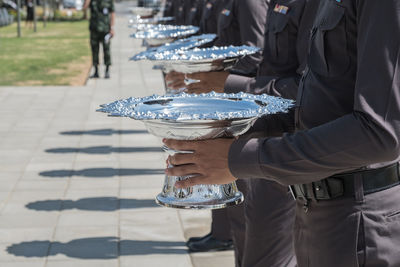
(252, 15)
(285, 87)
(369, 136)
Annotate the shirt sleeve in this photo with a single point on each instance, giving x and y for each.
(368, 136)
(285, 87)
(252, 16)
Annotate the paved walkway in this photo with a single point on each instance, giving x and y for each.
(77, 188)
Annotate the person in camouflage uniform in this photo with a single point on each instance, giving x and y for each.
(101, 30)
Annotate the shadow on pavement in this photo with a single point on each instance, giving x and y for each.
(101, 172)
(103, 132)
(96, 248)
(93, 204)
(103, 150)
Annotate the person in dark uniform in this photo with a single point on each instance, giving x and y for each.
(342, 159)
(168, 8)
(179, 11)
(240, 22)
(193, 12)
(29, 13)
(209, 16)
(101, 30)
(268, 203)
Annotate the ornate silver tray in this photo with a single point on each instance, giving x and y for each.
(180, 44)
(197, 117)
(137, 20)
(202, 59)
(143, 11)
(161, 34)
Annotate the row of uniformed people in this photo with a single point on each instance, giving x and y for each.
(339, 150)
(267, 218)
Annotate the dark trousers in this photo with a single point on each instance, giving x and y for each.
(269, 214)
(229, 224)
(362, 231)
(95, 39)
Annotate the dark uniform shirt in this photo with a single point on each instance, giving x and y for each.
(193, 12)
(242, 22)
(209, 16)
(348, 104)
(168, 9)
(100, 11)
(287, 35)
(178, 7)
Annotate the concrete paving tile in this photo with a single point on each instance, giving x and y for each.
(40, 263)
(96, 157)
(86, 193)
(6, 186)
(41, 185)
(23, 234)
(82, 184)
(82, 263)
(154, 181)
(166, 260)
(88, 218)
(195, 222)
(214, 259)
(141, 193)
(10, 175)
(48, 166)
(24, 220)
(66, 234)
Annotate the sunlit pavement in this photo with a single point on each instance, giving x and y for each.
(77, 187)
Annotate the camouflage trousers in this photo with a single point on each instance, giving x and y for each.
(95, 39)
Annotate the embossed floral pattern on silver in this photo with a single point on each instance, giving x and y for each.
(165, 31)
(213, 53)
(137, 20)
(143, 11)
(180, 44)
(210, 106)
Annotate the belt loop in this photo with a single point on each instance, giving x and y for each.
(358, 188)
(310, 188)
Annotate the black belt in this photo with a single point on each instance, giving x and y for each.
(342, 185)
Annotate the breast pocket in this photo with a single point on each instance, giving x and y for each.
(329, 55)
(278, 38)
(225, 19)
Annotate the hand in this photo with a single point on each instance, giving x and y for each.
(175, 80)
(209, 161)
(208, 81)
(112, 32)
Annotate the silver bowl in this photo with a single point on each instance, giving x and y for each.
(161, 34)
(143, 11)
(202, 59)
(197, 117)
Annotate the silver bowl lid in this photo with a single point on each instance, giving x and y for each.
(180, 44)
(187, 107)
(138, 20)
(206, 54)
(165, 31)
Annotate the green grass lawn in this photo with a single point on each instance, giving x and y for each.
(56, 55)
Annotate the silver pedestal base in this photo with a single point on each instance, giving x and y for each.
(211, 204)
(198, 196)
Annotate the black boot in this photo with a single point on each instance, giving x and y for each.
(210, 244)
(107, 75)
(197, 238)
(95, 74)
